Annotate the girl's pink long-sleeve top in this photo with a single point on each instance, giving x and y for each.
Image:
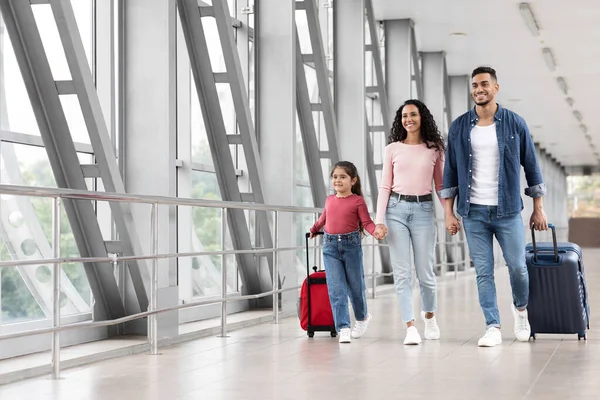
(344, 215)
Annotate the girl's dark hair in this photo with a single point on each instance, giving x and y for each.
(430, 134)
(352, 172)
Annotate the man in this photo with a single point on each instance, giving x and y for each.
(486, 148)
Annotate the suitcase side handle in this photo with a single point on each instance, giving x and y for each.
(553, 228)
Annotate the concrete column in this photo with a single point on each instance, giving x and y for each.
(275, 39)
(398, 63)
(349, 72)
(433, 84)
(460, 95)
(150, 131)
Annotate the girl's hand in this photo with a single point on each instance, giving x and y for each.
(380, 232)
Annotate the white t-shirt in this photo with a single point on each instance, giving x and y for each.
(484, 184)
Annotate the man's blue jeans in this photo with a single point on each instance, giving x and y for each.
(342, 256)
(480, 227)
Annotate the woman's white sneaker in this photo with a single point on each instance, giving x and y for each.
(412, 336)
(491, 338)
(345, 336)
(360, 327)
(432, 330)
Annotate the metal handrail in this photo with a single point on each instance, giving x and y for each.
(155, 201)
(73, 194)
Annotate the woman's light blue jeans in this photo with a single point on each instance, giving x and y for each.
(412, 222)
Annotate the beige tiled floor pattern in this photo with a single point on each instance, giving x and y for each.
(279, 362)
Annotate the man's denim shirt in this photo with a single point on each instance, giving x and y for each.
(515, 148)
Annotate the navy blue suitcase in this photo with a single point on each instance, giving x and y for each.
(558, 300)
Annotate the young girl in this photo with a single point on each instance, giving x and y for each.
(344, 218)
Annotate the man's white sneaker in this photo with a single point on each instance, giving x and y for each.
(345, 336)
(491, 338)
(432, 330)
(522, 327)
(360, 327)
(412, 336)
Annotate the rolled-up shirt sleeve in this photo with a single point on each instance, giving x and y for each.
(450, 181)
(536, 190)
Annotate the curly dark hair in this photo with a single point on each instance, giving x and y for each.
(430, 133)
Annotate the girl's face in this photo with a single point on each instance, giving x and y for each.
(342, 182)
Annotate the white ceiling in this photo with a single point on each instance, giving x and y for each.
(498, 36)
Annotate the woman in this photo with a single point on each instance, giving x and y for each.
(414, 158)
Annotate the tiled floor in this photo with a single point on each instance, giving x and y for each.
(279, 362)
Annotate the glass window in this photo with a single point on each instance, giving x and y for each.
(26, 234)
(206, 236)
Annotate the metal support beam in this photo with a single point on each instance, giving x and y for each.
(322, 72)
(195, 38)
(308, 113)
(100, 140)
(309, 133)
(52, 122)
(378, 65)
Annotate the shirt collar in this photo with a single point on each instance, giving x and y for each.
(497, 117)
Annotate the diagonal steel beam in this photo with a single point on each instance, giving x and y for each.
(322, 72)
(52, 122)
(208, 97)
(308, 132)
(101, 143)
(244, 122)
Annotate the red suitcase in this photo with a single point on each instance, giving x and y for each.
(315, 308)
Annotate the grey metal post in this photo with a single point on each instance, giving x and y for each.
(154, 284)
(56, 288)
(223, 273)
(275, 267)
(373, 279)
(466, 250)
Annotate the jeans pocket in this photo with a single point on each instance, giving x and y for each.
(392, 202)
(426, 206)
(356, 241)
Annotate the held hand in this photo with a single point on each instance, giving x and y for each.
(380, 231)
(538, 220)
(312, 235)
(452, 224)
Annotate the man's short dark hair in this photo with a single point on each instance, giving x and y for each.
(485, 70)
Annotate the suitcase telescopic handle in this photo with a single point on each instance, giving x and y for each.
(307, 236)
(553, 228)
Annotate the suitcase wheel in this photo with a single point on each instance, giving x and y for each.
(581, 336)
(333, 333)
(533, 336)
(310, 334)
